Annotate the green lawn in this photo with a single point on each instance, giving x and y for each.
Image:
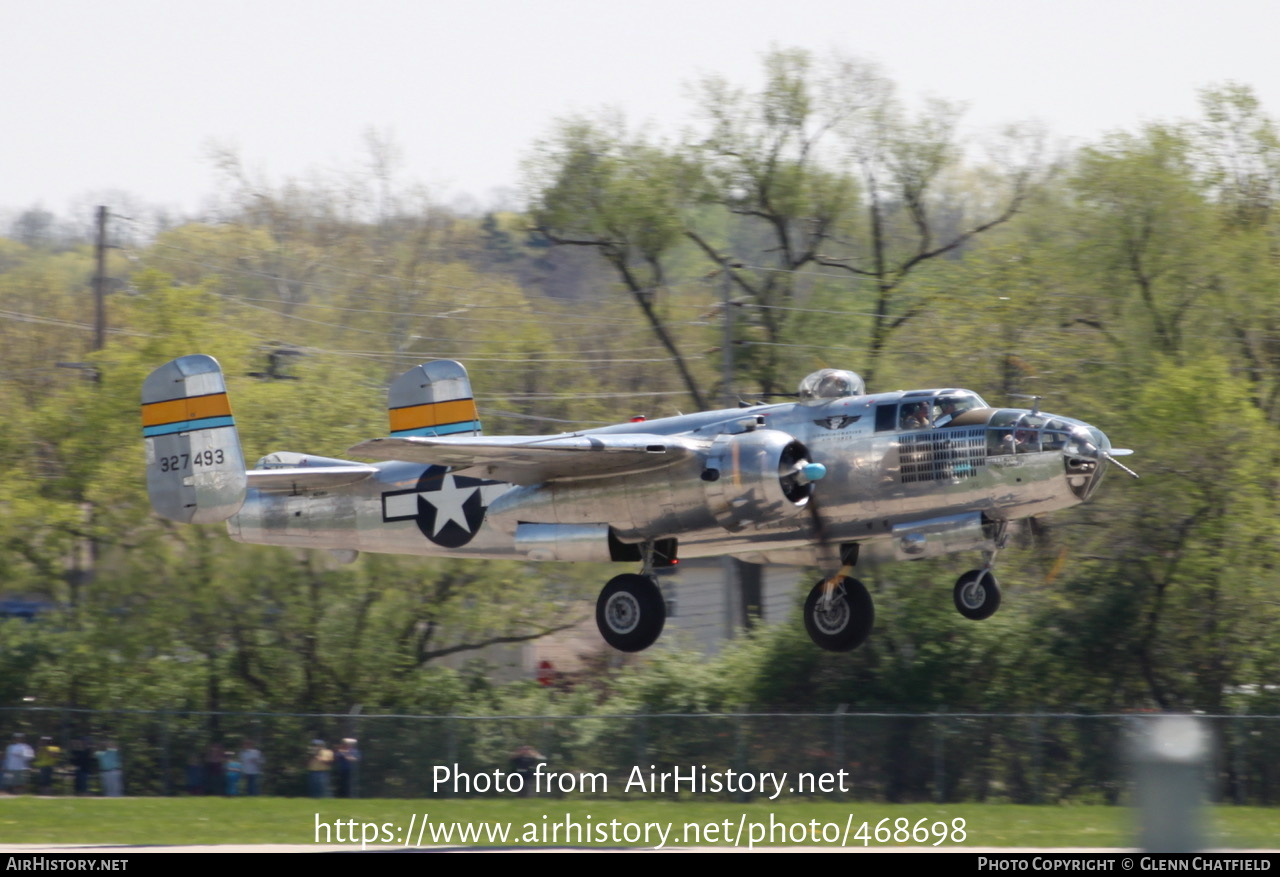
(293, 821)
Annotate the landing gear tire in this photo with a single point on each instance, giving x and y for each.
(845, 623)
(630, 612)
(977, 594)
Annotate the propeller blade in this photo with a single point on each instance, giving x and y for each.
(827, 556)
(1088, 448)
(1110, 458)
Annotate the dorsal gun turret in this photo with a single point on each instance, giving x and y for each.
(831, 383)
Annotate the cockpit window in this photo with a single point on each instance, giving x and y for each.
(1021, 432)
(914, 415)
(950, 406)
(1005, 417)
(927, 409)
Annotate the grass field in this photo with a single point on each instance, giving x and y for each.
(531, 821)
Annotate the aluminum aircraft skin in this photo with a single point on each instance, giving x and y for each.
(836, 478)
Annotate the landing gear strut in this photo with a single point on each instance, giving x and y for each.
(977, 593)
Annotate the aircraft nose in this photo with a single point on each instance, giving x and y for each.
(1086, 457)
(1106, 453)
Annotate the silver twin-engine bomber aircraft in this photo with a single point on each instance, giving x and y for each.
(837, 477)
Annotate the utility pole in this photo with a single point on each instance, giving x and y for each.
(726, 356)
(733, 610)
(743, 582)
(85, 560)
(100, 283)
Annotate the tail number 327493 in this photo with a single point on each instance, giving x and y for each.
(178, 462)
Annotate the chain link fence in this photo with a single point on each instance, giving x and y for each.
(1025, 758)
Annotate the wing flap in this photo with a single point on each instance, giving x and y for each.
(533, 460)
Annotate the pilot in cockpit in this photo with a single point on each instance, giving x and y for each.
(915, 416)
(948, 408)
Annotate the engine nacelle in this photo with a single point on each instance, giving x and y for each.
(934, 537)
(755, 476)
(738, 481)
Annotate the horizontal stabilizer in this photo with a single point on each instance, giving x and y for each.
(533, 459)
(312, 478)
(299, 473)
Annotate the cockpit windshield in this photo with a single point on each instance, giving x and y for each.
(926, 409)
(1013, 431)
(949, 406)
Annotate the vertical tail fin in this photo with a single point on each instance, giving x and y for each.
(195, 468)
(433, 399)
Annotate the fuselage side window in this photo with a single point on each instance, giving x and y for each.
(1026, 440)
(1030, 433)
(1019, 432)
(1055, 435)
(886, 418)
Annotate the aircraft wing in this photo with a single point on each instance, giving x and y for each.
(535, 459)
(301, 478)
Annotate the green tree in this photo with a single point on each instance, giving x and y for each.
(819, 168)
(1174, 608)
(1147, 227)
(594, 185)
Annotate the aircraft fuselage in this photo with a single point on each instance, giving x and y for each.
(898, 488)
(828, 480)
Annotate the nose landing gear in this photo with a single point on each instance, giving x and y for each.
(977, 594)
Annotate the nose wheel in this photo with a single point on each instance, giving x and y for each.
(630, 612)
(977, 594)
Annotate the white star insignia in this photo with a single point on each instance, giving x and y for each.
(448, 502)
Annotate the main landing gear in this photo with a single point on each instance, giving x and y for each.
(839, 613)
(630, 612)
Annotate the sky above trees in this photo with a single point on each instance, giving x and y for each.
(134, 97)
